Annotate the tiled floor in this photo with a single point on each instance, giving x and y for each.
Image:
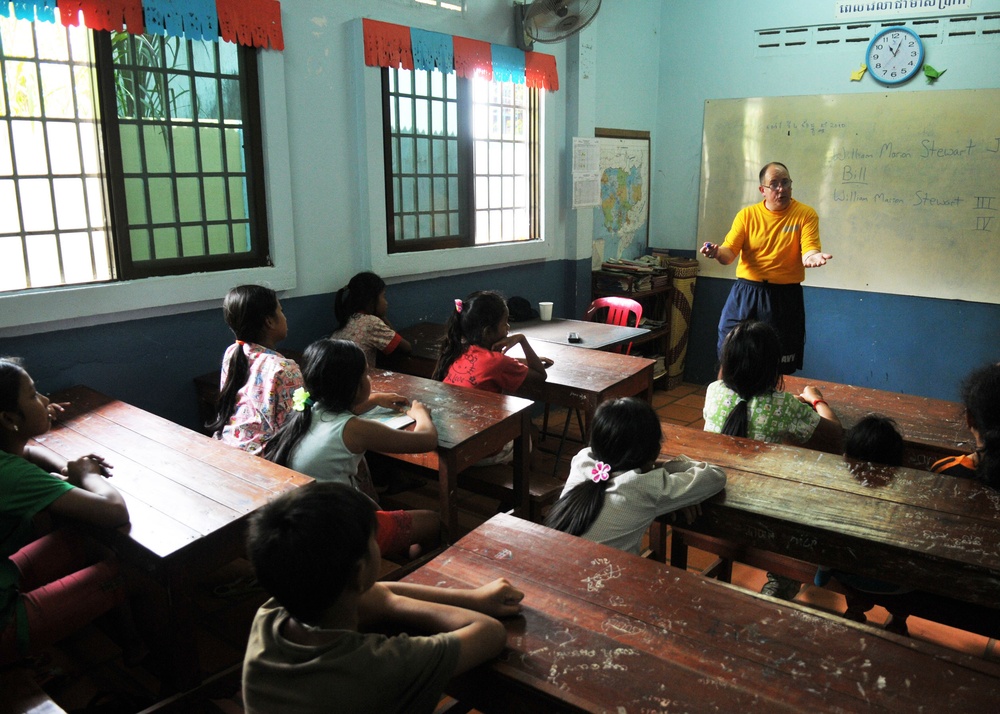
(89, 663)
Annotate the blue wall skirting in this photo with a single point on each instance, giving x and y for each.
(903, 344)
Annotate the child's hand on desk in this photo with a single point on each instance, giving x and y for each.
(75, 470)
(546, 362)
(391, 400)
(497, 599)
(505, 343)
(418, 409)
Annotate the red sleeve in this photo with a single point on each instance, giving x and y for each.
(393, 344)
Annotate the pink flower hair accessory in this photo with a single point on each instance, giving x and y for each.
(600, 472)
(458, 306)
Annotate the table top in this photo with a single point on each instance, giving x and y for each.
(594, 372)
(604, 630)
(183, 489)
(593, 335)
(460, 414)
(932, 532)
(934, 427)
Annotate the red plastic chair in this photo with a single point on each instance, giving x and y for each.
(619, 310)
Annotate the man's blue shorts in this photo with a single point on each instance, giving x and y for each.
(780, 305)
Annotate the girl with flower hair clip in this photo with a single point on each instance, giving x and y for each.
(616, 486)
(325, 438)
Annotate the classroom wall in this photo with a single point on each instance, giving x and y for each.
(642, 64)
(907, 344)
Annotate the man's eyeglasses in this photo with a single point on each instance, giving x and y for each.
(783, 183)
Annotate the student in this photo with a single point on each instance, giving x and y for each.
(747, 400)
(324, 438)
(360, 308)
(257, 383)
(981, 395)
(312, 646)
(472, 353)
(874, 439)
(49, 586)
(616, 487)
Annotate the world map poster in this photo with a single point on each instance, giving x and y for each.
(621, 222)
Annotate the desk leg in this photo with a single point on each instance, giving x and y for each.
(179, 659)
(520, 464)
(658, 540)
(448, 484)
(678, 550)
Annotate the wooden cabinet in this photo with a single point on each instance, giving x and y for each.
(651, 290)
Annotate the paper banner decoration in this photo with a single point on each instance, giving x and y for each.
(473, 58)
(107, 15)
(540, 71)
(508, 64)
(432, 50)
(389, 45)
(255, 23)
(193, 19)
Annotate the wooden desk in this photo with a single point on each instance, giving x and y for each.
(578, 379)
(582, 379)
(603, 630)
(593, 335)
(189, 497)
(471, 425)
(931, 428)
(936, 533)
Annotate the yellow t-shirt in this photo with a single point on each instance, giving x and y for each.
(770, 244)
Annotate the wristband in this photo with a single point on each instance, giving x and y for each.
(819, 401)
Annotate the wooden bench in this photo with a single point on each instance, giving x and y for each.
(931, 428)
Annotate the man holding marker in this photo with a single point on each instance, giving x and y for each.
(776, 240)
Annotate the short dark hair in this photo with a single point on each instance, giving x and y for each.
(306, 544)
(11, 373)
(981, 396)
(751, 366)
(769, 165)
(359, 294)
(875, 438)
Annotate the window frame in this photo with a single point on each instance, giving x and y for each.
(37, 310)
(125, 267)
(466, 170)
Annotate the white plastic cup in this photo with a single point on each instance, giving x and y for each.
(545, 310)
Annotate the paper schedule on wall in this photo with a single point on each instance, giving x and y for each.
(906, 184)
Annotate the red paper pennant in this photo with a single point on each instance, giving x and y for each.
(473, 58)
(256, 23)
(387, 45)
(540, 71)
(107, 15)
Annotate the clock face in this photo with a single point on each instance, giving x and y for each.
(894, 55)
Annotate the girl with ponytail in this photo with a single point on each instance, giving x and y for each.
(616, 487)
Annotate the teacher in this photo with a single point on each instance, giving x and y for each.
(776, 240)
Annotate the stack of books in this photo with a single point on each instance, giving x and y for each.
(621, 265)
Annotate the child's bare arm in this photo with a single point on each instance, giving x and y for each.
(360, 435)
(498, 598)
(481, 637)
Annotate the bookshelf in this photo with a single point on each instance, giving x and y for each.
(651, 289)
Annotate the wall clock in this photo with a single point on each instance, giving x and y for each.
(894, 55)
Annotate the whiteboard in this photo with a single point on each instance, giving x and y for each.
(906, 184)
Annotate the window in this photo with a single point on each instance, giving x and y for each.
(461, 161)
(124, 156)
